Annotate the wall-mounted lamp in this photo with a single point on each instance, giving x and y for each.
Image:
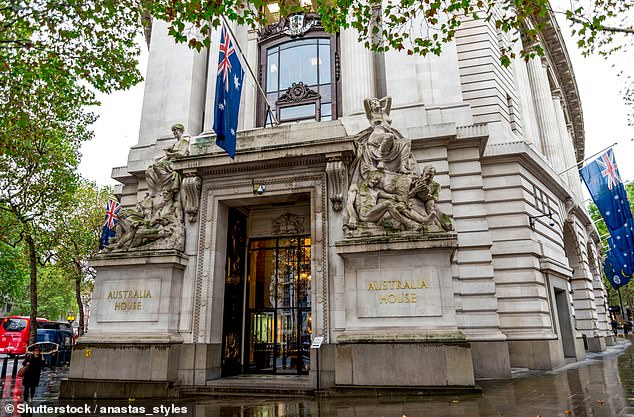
(258, 189)
(533, 219)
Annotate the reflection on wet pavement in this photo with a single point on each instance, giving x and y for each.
(601, 386)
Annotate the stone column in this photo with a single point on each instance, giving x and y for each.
(356, 72)
(546, 117)
(174, 87)
(567, 149)
(212, 74)
(527, 111)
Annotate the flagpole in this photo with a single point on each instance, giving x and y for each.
(590, 157)
(622, 312)
(246, 62)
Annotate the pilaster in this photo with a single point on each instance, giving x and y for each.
(174, 86)
(546, 117)
(357, 76)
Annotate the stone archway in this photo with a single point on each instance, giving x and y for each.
(582, 287)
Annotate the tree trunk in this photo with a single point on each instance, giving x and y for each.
(33, 288)
(80, 305)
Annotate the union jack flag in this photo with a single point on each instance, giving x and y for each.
(112, 214)
(608, 169)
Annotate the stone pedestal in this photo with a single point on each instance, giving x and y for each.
(401, 328)
(132, 347)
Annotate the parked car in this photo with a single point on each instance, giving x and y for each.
(14, 334)
(60, 333)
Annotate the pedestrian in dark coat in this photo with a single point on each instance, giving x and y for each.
(34, 363)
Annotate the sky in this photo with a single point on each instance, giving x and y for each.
(605, 120)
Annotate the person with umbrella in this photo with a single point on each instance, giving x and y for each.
(34, 362)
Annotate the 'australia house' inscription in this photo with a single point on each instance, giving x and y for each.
(415, 293)
(397, 291)
(129, 300)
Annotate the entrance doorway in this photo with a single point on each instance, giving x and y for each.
(278, 306)
(565, 325)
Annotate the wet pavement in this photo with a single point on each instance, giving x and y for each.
(600, 386)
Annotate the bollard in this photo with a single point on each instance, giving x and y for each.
(3, 374)
(14, 372)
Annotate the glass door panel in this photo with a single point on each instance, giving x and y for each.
(279, 292)
(306, 338)
(287, 338)
(262, 334)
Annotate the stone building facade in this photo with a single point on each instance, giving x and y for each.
(268, 261)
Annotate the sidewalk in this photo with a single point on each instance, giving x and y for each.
(600, 386)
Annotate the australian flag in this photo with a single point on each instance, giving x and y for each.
(606, 188)
(112, 216)
(228, 89)
(615, 270)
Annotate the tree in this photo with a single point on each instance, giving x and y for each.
(418, 27)
(79, 240)
(423, 27)
(40, 133)
(53, 55)
(13, 270)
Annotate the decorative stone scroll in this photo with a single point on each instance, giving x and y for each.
(192, 185)
(336, 171)
(571, 207)
(157, 220)
(387, 193)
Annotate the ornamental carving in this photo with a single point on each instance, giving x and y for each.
(571, 207)
(298, 92)
(388, 193)
(294, 25)
(157, 221)
(336, 171)
(191, 195)
(287, 224)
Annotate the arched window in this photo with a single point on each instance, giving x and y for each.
(298, 71)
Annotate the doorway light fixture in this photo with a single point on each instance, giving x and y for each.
(533, 219)
(258, 189)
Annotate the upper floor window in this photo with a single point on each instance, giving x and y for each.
(297, 71)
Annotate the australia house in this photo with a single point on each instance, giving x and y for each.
(415, 215)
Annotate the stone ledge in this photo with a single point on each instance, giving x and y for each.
(553, 267)
(424, 336)
(100, 339)
(397, 242)
(356, 391)
(140, 257)
(80, 388)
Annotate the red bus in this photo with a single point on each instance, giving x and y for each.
(14, 334)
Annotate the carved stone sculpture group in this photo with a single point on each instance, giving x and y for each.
(387, 192)
(157, 221)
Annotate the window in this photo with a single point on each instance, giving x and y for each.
(298, 72)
